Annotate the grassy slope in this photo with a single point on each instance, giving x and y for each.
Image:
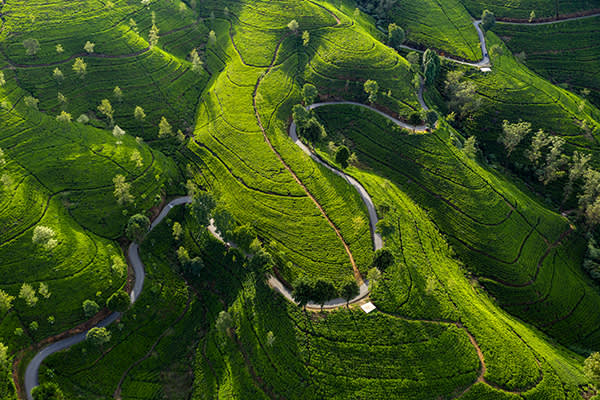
(522, 8)
(502, 235)
(566, 53)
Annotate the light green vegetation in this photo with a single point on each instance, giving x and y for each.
(526, 256)
(445, 26)
(512, 92)
(521, 9)
(566, 53)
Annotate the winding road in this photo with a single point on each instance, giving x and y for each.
(32, 371)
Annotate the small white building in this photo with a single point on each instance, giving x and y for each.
(368, 307)
(485, 69)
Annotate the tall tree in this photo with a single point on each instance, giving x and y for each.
(382, 259)
(47, 391)
(80, 67)
(107, 110)
(431, 66)
(119, 301)
(164, 128)
(58, 75)
(196, 61)
(153, 36)
(342, 155)
(89, 47)
(32, 46)
(122, 190)
(371, 88)
(349, 290)
(137, 227)
(202, 206)
(294, 26)
(323, 291)
(309, 94)
(513, 134)
(396, 35)
(98, 336)
(488, 20)
(302, 291)
(90, 308)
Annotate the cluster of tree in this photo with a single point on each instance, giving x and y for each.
(380, 9)
(307, 124)
(320, 291)
(44, 237)
(47, 391)
(462, 95)
(7, 388)
(591, 262)
(431, 66)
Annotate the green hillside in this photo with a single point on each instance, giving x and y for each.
(477, 268)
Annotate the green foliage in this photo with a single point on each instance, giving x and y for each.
(309, 95)
(98, 336)
(118, 301)
(32, 46)
(488, 20)
(349, 289)
(383, 259)
(396, 35)
(431, 66)
(513, 134)
(303, 289)
(341, 156)
(47, 391)
(202, 207)
(90, 308)
(371, 88)
(137, 227)
(591, 368)
(323, 291)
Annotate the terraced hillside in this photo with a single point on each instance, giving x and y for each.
(566, 53)
(521, 10)
(113, 108)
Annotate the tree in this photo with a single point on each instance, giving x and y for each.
(177, 231)
(83, 119)
(323, 291)
(309, 94)
(270, 338)
(312, 130)
(555, 161)
(59, 49)
(531, 16)
(293, 26)
(349, 290)
(431, 117)
(58, 76)
(107, 110)
(591, 369)
(539, 141)
(464, 100)
(136, 157)
(98, 336)
(119, 301)
(44, 290)
(243, 236)
(44, 236)
(212, 38)
(137, 227)
(122, 190)
(223, 221)
(139, 114)
(164, 128)
(382, 259)
(89, 47)
(118, 94)
(153, 35)
(80, 67)
(371, 88)
(32, 46)
(27, 293)
(488, 20)
(202, 207)
(47, 391)
(2, 159)
(31, 102)
(579, 164)
(470, 147)
(6, 302)
(396, 35)
(302, 291)
(2, 79)
(513, 134)
(61, 98)
(300, 115)
(90, 308)
(118, 132)
(224, 323)
(431, 66)
(196, 61)
(341, 156)
(64, 117)
(305, 38)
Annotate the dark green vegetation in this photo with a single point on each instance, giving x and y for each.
(567, 53)
(117, 106)
(521, 10)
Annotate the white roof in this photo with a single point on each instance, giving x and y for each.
(486, 69)
(368, 307)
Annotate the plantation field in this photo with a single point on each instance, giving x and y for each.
(118, 106)
(443, 25)
(521, 252)
(565, 53)
(513, 92)
(522, 9)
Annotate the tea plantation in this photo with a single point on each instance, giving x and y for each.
(198, 196)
